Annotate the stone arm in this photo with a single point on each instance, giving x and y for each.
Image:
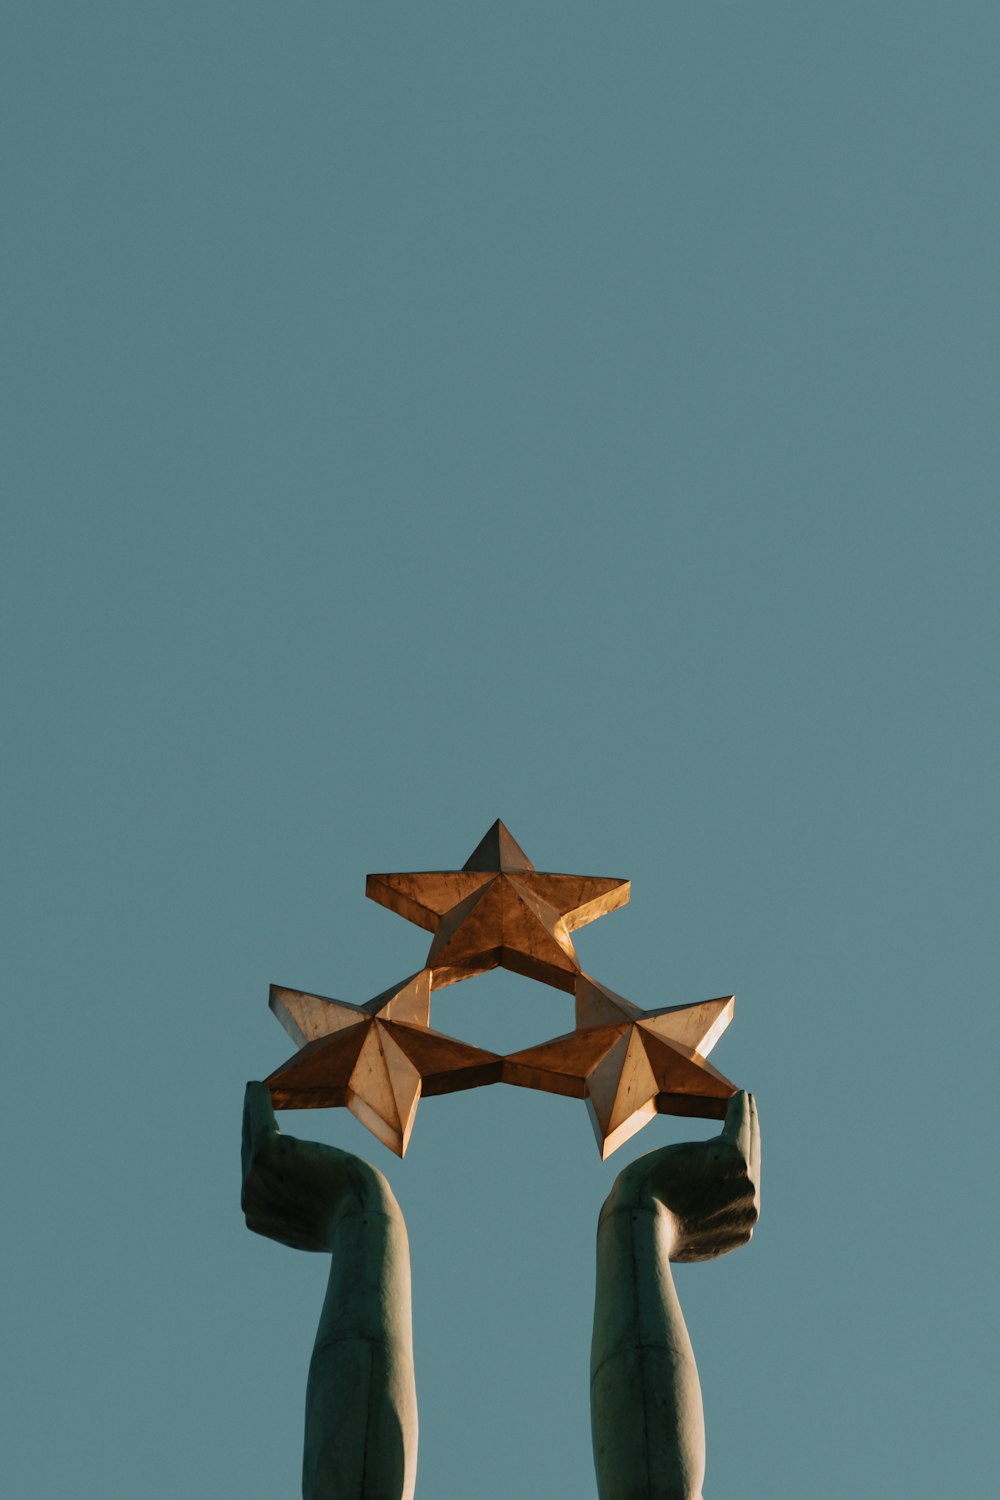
(687, 1202)
(361, 1410)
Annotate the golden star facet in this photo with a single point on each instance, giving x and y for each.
(378, 1059)
(630, 1064)
(498, 910)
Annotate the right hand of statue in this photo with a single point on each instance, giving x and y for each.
(709, 1189)
(292, 1189)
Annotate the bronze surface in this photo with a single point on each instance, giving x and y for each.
(376, 1059)
(630, 1064)
(499, 911)
(379, 1059)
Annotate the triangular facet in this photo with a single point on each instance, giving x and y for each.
(545, 915)
(602, 1086)
(408, 1001)
(372, 1098)
(383, 1130)
(470, 933)
(696, 1026)
(596, 1005)
(563, 1065)
(498, 850)
(579, 898)
(621, 1093)
(308, 1017)
(535, 940)
(629, 1127)
(405, 1081)
(445, 1064)
(680, 1070)
(318, 1076)
(422, 897)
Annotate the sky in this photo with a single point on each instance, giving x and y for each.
(581, 415)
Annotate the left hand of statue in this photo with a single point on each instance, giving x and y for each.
(710, 1190)
(292, 1189)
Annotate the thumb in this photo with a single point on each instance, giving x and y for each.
(738, 1129)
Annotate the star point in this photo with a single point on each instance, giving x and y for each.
(498, 850)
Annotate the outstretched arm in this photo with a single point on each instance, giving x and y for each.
(361, 1410)
(688, 1202)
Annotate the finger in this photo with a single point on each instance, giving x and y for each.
(259, 1125)
(710, 1247)
(755, 1145)
(738, 1127)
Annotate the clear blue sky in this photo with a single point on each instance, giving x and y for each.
(579, 414)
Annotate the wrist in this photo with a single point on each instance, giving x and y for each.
(359, 1191)
(633, 1191)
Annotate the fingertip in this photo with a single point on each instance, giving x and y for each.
(258, 1108)
(252, 1094)
(755, 1146)
(737, 1116)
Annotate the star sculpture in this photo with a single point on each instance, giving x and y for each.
(499, 910)
(378, 1059)
(630, 1064)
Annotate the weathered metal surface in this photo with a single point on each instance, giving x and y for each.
(630, 1064)
(377, 1059)
(381, 1058)
(499, 911)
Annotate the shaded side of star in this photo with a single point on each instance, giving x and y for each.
(379, 1059)
(630, 1064)
(499, 911)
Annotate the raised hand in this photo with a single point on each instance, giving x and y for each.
(688, 1202)
(710, 1190)
(361, 1410)
(294, 1190)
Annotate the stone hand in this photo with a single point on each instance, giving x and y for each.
(709, 1190)
(361, 1408)
(689, 1202)
(293, 1190)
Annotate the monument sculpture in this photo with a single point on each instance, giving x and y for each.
(687, 1202)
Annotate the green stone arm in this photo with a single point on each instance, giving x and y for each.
(688, 1202)
(361, 1409)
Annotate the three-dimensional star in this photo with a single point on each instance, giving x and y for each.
(498, 910)
(378, 1059)
(630, 1064)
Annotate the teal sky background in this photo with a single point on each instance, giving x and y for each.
(578, 414)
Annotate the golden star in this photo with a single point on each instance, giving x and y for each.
(630, 1064)
(378, 1059)
(499, 910)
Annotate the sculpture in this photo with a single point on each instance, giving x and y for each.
(498, 910)
(361, 1409)
(380, 1058)
(687, 1202)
